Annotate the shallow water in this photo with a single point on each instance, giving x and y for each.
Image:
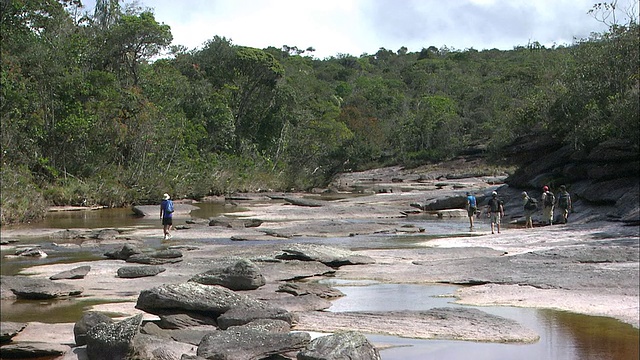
(563, 335)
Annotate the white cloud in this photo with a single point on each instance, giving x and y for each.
(363, 26)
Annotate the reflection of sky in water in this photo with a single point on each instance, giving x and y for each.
(563, 336)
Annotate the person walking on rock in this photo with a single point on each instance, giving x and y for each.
(530, 206)
(472, 208)
(166, 214)
(564, 203)
(548, 201)
(495, 209)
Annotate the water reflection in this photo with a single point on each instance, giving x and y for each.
(563, 335)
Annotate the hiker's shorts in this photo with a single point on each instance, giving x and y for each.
(167, 221)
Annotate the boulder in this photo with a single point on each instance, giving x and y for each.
(88, 320)
(149, 347)
(124, 253)
(248, 343)
(130, 272)
(341, 345)
(192, 296)
(157, 258)
(184, 320)
(31, 252)
(243, 275)
(25, 287)
(76, 273)
(224, 221)
(9, 329)
(113, 341)
(308, 302)
(330, 256)
(243, 314)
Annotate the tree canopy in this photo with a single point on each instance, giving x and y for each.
(99, 108)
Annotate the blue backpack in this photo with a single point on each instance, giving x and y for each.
(169, 208)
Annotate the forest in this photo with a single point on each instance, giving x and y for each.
(100, 109)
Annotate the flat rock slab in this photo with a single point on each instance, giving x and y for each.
(31, 349)
(439, 323)
(76, 273)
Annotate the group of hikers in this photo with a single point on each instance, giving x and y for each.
(549, 201)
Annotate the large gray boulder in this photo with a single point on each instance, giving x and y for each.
(192, 296)
(249, 343)
(113, 341)
(88, 320)
(350, 345)
(243, 275)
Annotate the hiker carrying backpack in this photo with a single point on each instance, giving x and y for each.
(531, 204)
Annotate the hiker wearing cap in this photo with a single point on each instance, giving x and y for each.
(166, 214)
(472, 208)
(548, 200)
(495, 209)
(530, 206)
(564, 203)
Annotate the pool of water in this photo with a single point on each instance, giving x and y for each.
(563, 335)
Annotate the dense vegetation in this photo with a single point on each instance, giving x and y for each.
(99, 109)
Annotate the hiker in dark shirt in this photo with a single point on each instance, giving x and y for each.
(564, 203)
(472, 208)
(530, 206)
(495, 209)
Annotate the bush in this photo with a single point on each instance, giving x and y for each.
(22, 200)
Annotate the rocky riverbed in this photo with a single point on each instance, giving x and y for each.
(589, 266)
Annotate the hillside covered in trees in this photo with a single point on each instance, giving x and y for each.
(100, 109)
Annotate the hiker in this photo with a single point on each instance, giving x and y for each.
(548, 200)
(495, 210)
(166, 214)
(472, 208)
(530, 206)
(564, 203)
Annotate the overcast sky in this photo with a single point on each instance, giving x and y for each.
(356, 27)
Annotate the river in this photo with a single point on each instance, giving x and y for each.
(563, 336)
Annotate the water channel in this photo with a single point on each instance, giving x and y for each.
(563, 336)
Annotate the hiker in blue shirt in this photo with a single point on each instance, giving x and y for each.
(166, 214)
(472, 208)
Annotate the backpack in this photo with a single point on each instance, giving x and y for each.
(563, 200)
(169, 208)
(532, 204)
(549, 200)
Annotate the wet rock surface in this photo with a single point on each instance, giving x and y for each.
(588, 266)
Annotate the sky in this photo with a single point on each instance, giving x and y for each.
(357, 27)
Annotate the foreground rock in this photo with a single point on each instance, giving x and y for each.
(109, 341)
(248, 343)
(341, 345)
(243, 275)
